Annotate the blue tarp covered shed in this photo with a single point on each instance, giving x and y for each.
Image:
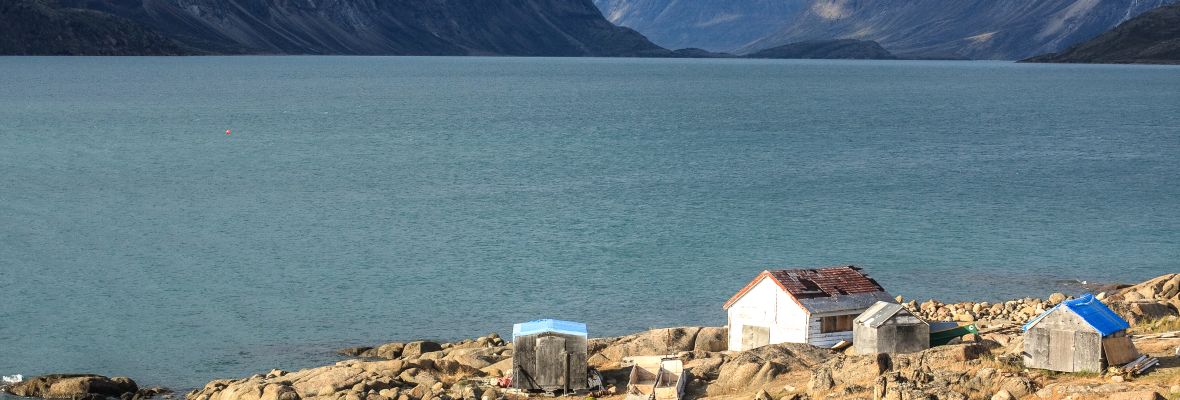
(1077, 335)
(549, 355)
(1096, 314)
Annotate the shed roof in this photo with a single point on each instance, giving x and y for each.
(822, 289)
(549, 325)
(879, 313)
(1096, 314)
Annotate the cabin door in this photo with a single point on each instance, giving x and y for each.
(1061, 350)
(551, 362)
(755, 336)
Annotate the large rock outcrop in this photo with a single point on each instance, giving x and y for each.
(75, 387)
(392, 371)
(760, 368)
(605, 352)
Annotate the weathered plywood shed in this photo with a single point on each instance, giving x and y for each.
(1080, 335)
(549, 356)
(656, 378)
(889, 328)
(813, 306)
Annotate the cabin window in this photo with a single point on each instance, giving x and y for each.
(839, 323)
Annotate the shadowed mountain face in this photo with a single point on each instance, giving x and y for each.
(710, 25)
(38, 27)
(828, 49)
(1153, 37)
(395, 27)
(978, 29)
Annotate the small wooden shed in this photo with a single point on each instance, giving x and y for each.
(549, 356)
(1080, 335)
(889, 328)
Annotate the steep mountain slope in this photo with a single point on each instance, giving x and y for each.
(1153, 37)
(395, 27)
(38, 27)
(979, 29)
(828, 49)
(711, 25)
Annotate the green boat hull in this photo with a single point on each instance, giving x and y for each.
(945, 336)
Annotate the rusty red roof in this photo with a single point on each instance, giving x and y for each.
(817, 282)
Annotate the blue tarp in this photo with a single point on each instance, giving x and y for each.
(548, 325)
(1098, 315)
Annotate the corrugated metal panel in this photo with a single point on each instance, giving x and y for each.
(826, 282)
(877, 314)
(549, 325)
(860, 301)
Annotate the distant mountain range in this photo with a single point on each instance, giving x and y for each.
(394, 27)
(975, 29)
(1151, 38)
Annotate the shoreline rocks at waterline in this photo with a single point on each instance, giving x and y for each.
(82, 387)
(1154, 299)
(986, 366)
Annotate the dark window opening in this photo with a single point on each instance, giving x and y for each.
(839, 323)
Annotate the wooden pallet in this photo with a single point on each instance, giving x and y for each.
(1140, 365)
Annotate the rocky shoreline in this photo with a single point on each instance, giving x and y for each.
(984, 366)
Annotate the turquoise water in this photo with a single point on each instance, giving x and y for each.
(361, 200)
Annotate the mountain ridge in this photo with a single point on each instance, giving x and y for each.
(1150, 38)
(367, 27)
(968, 29)
(40, 27)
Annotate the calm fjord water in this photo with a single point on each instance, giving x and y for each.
(361, 200)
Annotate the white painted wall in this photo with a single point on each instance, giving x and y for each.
(766, 304)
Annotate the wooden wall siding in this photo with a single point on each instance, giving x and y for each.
(524, 362)
(579, 367)
(1062, 341)
(1119, 349)
(551, 362)
(1061, 350)
(820, 339)
(547, 361)
(1036, 348)
(1087, 351)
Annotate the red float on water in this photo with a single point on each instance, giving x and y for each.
(227, 131)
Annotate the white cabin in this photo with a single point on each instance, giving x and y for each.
(814, 306)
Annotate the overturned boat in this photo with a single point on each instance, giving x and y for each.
(943, 332)
(655, 378)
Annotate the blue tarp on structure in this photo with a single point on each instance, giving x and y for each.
(549, 325)
(1091, 310)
